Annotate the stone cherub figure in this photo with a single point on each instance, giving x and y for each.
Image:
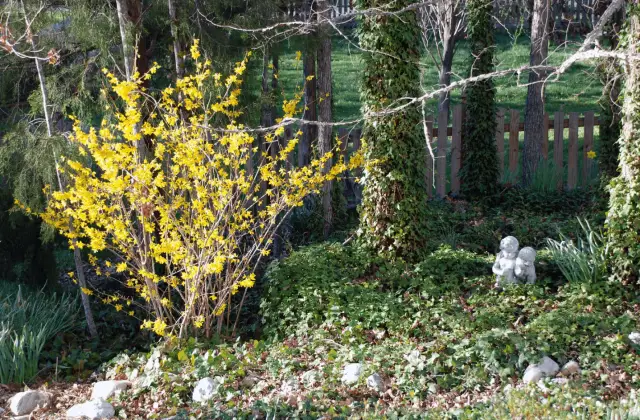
(525, 271)
(504, 267)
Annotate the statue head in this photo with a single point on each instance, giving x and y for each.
(527, 254)
(509, 244)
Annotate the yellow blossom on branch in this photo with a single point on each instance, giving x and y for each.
(201, 202)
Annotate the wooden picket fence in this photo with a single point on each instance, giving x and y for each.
(447, 142)
(509, 14)
(562, 129)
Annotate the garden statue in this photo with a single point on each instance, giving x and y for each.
(525, 270)
(504, 267)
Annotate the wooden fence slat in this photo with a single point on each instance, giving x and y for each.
(514, 142)
(429, 159)
(441, 173)
(456, 145)
(343, 135)
(545, 136)
(500, 140)
(288, 135)
(558, 158)
(572, 175)
(587, 146)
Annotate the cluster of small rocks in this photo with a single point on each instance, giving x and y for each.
(548, 368)
(23, 404)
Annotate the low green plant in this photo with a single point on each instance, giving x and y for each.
(582, 260)
(28, 320)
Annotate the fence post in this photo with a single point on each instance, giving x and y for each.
(514, 141)
(288, 135)
(500, 141)
(558, 158)
(428, 159)
(572, 175)
(587, 146)
(456, 144)
(545, 136)
(442, 154)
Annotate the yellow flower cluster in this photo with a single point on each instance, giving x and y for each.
(183, 198)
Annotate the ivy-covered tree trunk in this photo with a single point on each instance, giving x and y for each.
(324, 114)
(479, 173)
(393, 217)
(612, 77)
(623, 221)
(534, 108)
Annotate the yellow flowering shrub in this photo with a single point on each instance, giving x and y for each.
(189, 218)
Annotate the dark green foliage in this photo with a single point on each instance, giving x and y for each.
(623, 222)
(393, 210)
(479, 172)
(469, 333)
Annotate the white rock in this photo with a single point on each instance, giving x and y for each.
(351, 373)
(635, 338)
(289, 386)
(107, 389)
(207, 388)
(560, 381)
(25, 417)
(413, 358)
(532, 374)
(375, 383)
(309, 378)
(93, 410)
(548, 366)
(25, 402)
(570, 368)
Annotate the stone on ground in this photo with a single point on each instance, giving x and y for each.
(92, 410)
(207, 388)
(546, 368)
(375, 383)
(107, 389)
(351, 373)
(570, 368)
(635, 338)
(25, 402)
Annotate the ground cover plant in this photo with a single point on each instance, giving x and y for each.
(211, 250)
(28, 320)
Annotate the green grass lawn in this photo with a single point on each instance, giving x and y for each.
(577, 90)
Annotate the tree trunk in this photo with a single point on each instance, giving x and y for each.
(77, 259)
(266, 120)
(86, 304)
(177, 50)
(623, 220)
(309, 131)
(324, 115)
(125, 38)
(534, 108)
(393, 217)
(76, 253)
(479, 172)
(448, 43)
